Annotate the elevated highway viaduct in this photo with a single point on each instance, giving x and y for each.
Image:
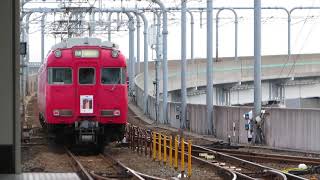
(285, 82)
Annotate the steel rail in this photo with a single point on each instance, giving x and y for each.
(279, 174)
(242, 162)
(137, 175)
(262, 170)
(260, 173)
(93, 176)
(273, 157)
(84, 172)
(99, 177)
(221, 171)
(148, 176)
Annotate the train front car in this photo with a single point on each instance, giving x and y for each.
(83, 92)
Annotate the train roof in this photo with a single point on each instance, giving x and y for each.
(87, 41)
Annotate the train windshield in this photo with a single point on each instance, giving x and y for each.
(113, 76)
(86, 76)
(60, 76)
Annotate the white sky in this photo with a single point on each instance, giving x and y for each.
(304, 34)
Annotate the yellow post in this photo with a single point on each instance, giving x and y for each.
(164, 149)
(159, 147)
(176, 152)
(170, 152)
(182, 155)
(189, 158)
(154, 141)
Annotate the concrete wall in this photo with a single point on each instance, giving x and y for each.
(9, 88)
(303, 103)
(284, 128)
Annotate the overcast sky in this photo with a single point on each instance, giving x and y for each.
(304, 39)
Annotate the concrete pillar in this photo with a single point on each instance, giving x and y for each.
(209, 98)
(183, 64)
(9, 91)
(257, 69)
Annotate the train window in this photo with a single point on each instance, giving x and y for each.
(111, 76)
(60, 76)
(124, 76)
(86, 76)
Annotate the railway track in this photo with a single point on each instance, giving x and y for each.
(231, 167)
(266, 157)
(242, 168)
(89, 168)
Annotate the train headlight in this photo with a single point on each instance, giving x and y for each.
(62, 112)
(116, 112)
(57, 53)
(56, 113)
(114, 53)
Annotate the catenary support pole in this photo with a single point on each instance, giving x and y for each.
(145, 64)
(109, 26)
(131, 53)
(137, 64)
(235, 32)
(91, 24)
(257, 67)
(191, 35)
(183, 64)
(165, 60)
(209, 97)
(157, 64)
(27, 56)
(192, 46)
(42, 36)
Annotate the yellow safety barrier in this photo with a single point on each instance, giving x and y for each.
(176, 152)
(170, 151)
(154, 145)
(162, 143)
(182, 155)
(164, 149)
(189, 158)
(159, 147)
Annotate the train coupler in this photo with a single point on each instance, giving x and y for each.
(87, 132)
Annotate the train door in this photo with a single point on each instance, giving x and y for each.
(86, 92)
(87, 89)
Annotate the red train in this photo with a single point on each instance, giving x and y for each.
(82, 91)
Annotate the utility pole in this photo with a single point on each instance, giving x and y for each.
(183, 64)
(209, 69)
(257, 72)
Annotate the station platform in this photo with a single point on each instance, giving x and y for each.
(38, 176)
